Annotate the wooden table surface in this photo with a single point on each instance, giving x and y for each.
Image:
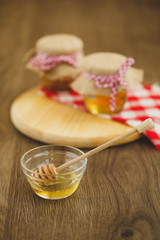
(119, 196)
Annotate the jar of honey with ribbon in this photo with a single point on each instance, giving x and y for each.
(57, 60)
(105, 80)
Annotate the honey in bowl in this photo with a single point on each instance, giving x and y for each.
(44, 183)
(58, 188)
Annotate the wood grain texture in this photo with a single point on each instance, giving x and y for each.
(117, 199)
(51, 122)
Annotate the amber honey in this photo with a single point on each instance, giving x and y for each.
(101, 104)
(56, 189)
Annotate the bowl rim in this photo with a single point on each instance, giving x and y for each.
(51, 145)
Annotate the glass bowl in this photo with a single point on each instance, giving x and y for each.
(67, 180)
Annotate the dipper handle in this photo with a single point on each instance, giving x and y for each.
(144, 126)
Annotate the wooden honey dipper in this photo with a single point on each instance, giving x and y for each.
(51, 171)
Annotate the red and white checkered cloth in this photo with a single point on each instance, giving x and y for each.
(143, 102)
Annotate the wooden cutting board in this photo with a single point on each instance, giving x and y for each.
(51, 122)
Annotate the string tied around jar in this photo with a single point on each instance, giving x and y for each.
(112, 81)
(46, 62)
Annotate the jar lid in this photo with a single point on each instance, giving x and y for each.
(58, 44)
(104, 64)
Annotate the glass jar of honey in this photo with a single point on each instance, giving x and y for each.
(104, 81)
